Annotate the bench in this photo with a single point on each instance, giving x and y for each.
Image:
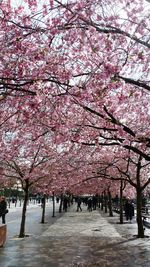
(145, 216)
(3, 232)
(146, 219)
(117, 210)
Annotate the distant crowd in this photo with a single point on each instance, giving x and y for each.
(91, 202)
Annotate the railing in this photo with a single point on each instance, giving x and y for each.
(146, 217)
(145, 210)
(116, 209)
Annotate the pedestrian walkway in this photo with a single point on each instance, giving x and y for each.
(80, 239)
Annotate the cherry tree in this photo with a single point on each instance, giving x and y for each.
(76, 72)
(110, 82)
(107, 87)
(27, 156)
(134, 171)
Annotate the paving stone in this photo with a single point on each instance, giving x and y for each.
(80, 239)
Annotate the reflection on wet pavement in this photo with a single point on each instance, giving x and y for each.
(80, 240)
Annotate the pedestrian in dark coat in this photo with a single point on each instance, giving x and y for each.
(129, 210)
(65, 203)
(94, 202)
(3, 209)
(79, 204)
(90, 203)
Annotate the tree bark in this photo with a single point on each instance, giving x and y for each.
(139, 202)
(43, 209)
(53, 205)
(99, 201)
(23, 219)
(102, 202)
(105, 202)
(61, 203)
(110, 204)
(121, 202)
(139, 214)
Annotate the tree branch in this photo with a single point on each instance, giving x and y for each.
(137, 83)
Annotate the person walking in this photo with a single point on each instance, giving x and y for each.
(90, 204)
(129, 210)
(65, 203)
(79, 204)
(3, 209)
(94, 199)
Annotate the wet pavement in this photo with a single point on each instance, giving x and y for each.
(80, 239)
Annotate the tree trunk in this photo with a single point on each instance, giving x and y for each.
(121, 202)
(43, 209)
(23, 219)
(110, 204)
(139, 201)
(99, 202)
(61, 203)
(105, 202)
(139, 214)
(102, 202)
(53, 205)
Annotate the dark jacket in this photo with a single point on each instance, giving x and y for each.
(3, 207)
(129, 209)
